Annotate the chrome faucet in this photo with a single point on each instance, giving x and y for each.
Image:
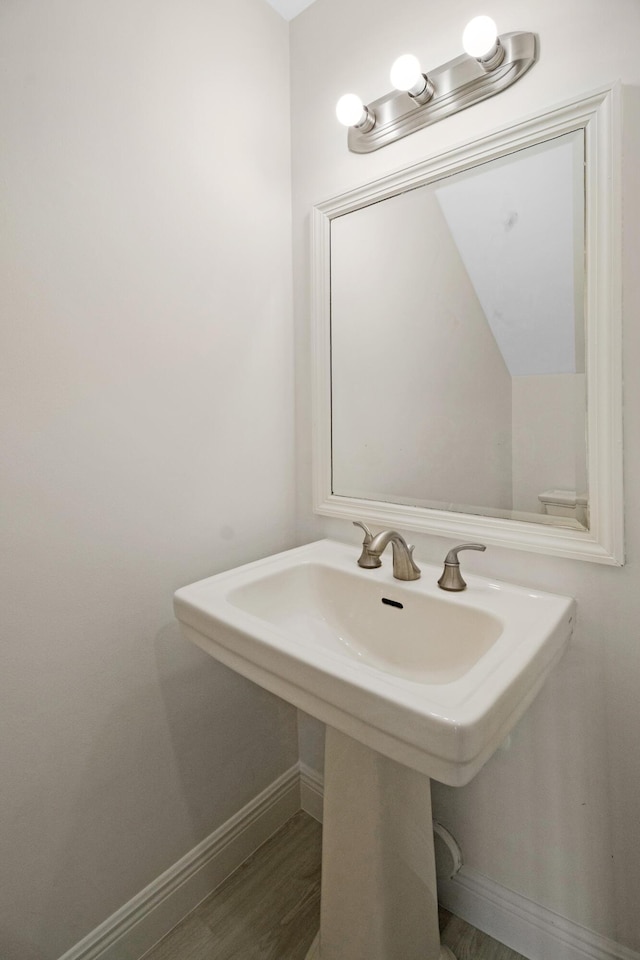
(451, 578)
(404, 567)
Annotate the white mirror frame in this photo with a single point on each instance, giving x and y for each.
(599, 116)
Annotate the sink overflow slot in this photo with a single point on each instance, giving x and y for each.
(393, 603)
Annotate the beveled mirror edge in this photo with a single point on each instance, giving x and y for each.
(599, 115)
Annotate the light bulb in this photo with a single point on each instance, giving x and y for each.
(406, 73)
(480, 37)
(350, 110)
(407, 76)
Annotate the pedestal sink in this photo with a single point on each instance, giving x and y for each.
(413, 683)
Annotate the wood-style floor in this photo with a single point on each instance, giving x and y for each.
(269, 909)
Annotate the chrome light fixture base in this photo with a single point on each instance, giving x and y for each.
(493, 59)
(425, 95)
(368, 123)
(456, 85)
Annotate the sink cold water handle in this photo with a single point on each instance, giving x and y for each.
(451, 578)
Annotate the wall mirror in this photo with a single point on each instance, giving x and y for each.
(467, 338)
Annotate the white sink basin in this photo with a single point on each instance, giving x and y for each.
(430, 679)
(405, 632)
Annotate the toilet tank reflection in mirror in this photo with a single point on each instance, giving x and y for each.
(467, 341)
(458, 365)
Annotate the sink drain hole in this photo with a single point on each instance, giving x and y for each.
(392, 603)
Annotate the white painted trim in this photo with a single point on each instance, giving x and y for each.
(145, 919)
(598, 114)
(311, 791)
(524, 926)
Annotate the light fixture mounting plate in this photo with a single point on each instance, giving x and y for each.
(457, 85)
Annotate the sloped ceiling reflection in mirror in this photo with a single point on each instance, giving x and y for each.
(289, 8)
(506, 218)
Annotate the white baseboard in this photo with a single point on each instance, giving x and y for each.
(521, 924)
(139, 924)
(311, 791)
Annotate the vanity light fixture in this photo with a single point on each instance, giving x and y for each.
(491, 63)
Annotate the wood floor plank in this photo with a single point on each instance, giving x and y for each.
(189, 940)
(270, 907)
(468, 943)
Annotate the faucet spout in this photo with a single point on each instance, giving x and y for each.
(404, 566)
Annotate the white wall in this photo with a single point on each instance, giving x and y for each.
(556, 817)
(146, 407)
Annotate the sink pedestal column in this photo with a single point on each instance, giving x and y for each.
(379, 899)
